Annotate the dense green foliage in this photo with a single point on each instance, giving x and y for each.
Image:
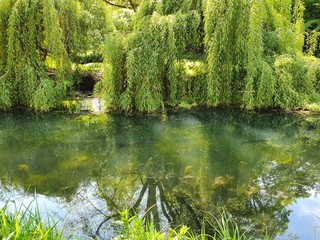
(37, 36)
(312, 26)
(252, 54)
(150, 67)
(133, 228)
(27, 223)
(218, 53)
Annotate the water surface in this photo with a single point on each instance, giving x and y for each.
(178, 168)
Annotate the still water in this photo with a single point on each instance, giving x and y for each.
(179, 168)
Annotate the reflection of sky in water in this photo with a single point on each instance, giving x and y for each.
(20, 201)
(304, 220)
(76, 217)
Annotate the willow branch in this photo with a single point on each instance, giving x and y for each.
(115, 4)
(132, 5)
(106, 220)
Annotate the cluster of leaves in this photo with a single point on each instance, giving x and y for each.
(258, 61)
(312, 26)
(254, 54)
(143, 71)
(244, 53)
(224, 226)
(27, 223)
(37, 36)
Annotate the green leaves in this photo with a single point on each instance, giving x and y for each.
(247, 69)
(44, 98)
(243, 43)
(142, 70)
(26, 223)
(226, 30)
(38, 42)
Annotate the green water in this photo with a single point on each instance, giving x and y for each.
(178, 168)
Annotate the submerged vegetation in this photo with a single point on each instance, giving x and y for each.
(250, 54)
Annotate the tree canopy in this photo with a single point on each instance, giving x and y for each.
(247, 53)
(216, 53)
(38, 36)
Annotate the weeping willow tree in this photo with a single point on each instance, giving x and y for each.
(219, 53)
(254, 54)
(226, 28)
(143, 70)
(38, 37)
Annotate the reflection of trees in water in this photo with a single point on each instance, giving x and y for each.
(183, 170)
(155, 199)
(255, 187)
(185, 204)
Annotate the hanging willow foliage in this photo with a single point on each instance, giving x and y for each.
(253, 56)
(245, 53)
(271, 70)
(144, 74)
(5, 87)
(226, 28)
(38, 37)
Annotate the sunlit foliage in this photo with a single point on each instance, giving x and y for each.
(312, 26)
(255, 54)
(250, 54)
(40, 40)
(247, 53)
(144, 70)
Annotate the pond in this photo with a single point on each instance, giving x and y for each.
(178, 168)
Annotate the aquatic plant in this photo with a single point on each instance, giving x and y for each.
(28, 223)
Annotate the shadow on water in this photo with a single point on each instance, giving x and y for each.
(179, 169)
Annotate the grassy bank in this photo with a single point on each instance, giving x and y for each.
(223, 228)
(26, 222)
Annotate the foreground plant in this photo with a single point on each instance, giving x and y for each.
(223, 226)
(133, 227)
(27, 223)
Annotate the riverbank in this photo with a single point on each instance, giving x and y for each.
(88, 102)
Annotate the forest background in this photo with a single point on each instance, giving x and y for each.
(253, 54)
